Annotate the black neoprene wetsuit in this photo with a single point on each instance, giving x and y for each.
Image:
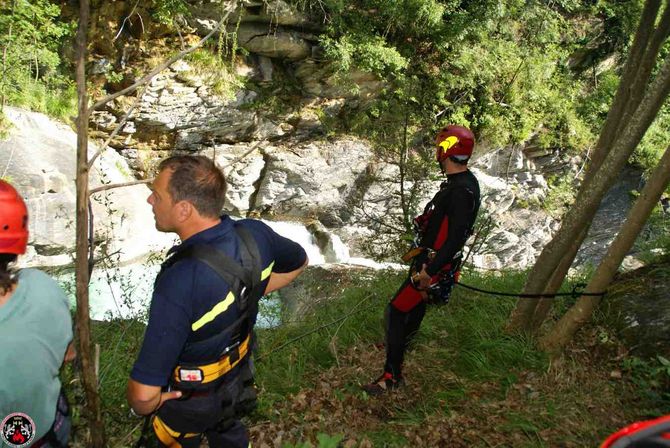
(446, 224)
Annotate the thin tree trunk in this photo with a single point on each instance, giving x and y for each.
(588, 199)
(581, 312)
(97, 429)
(623, 105)
(627, 104)
(4, 69)
(4, 59)
(544, 305)
(406, 219)
(630, 93)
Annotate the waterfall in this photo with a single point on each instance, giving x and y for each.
(335, 252)
(298, 233)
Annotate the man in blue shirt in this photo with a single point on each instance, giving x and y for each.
(195, 358)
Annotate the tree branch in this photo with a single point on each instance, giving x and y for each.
(237, 159)
(118, 129)
(123, 24)
(113, 186)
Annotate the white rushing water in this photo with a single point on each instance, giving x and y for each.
(298, 233)
(340, 252)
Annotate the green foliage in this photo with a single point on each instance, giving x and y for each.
(114, 77)
(31, 37)
(370, 54)
(619, 22)
(5, 126)
(476, 328)
(652, 380)
(324, 441)
(164, 11)
(655, 142)
(489, 65)
(654, 241)
(216, 73)
(283, 368)
(561, 195)
(594, 107)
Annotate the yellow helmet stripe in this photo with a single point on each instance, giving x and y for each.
(448, 142)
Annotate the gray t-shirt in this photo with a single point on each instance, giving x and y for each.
(35, 329)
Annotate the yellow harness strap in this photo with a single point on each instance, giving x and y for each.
(167, 436)
(215, 370)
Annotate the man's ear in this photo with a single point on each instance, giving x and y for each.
(184, 210)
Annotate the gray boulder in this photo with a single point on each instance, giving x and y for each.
(313, 180)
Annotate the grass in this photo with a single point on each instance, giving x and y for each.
(216, 73)
(58, 100)
(469, 384)
(5, 126)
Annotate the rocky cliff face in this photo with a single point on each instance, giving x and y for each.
(330, 184)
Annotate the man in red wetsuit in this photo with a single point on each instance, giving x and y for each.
(442, 228)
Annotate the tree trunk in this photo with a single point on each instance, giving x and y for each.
(544, 305)
(82, 276)
(615, 135)
(581, 312)
(4, 59)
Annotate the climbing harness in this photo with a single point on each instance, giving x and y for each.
(439, 291)
(218, 391)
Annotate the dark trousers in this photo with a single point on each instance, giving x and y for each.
(234, 435)
(403, 319)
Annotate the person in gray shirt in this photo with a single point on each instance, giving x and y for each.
(35, 340)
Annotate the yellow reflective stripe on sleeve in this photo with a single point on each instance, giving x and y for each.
(211, 315)
(267, 271)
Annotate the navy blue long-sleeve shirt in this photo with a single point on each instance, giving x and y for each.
(189, 300)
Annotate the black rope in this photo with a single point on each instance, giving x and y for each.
(574, 293)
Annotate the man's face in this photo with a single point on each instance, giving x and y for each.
(161, 202)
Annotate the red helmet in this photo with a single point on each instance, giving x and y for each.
(454, 140)
(13, 221)
(650, 433)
